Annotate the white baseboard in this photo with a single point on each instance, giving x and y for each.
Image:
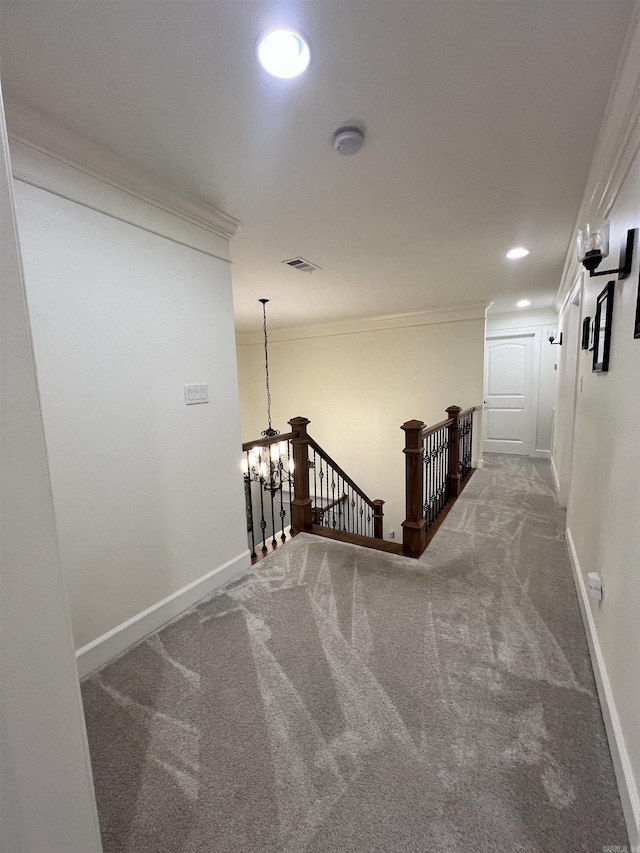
(621, 761)
(101, 650)
(477, 463)
(543, 454)
(556, 481)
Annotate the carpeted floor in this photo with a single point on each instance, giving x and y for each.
(339, 699)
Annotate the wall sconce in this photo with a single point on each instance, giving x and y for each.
(593, 247)
(554, 342)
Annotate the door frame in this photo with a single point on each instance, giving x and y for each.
(534, 332)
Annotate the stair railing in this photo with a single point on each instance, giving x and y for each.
(328, 502)
(268, 467)
(293, 485)
(438, 467)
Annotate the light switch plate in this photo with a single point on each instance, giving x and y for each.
(196, 394)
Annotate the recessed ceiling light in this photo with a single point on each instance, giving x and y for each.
(524, 303)
(518, 252)
(283, 52)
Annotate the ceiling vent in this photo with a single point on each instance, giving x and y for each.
(302, 265)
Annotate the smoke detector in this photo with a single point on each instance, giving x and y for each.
(348, 140)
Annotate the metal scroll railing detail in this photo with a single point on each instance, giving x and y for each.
(292, 485)
(465, 438)
(437, 466)
(336, 504)
(269, 490)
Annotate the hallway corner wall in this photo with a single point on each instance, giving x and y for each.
(46, 792)
(125, 311)
(603, 481)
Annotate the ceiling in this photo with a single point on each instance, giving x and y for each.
(480, 121)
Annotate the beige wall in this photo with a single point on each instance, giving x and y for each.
(358, 388)
(603, 478)
(146, 489)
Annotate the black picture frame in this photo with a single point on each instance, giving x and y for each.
(636, 328)
(586, 325)
(602, 336)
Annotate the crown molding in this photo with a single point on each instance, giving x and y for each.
(56, 159)
(616, 148)
(435, 316)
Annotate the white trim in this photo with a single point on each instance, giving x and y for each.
(619, 754)
(523, 332)
(60, 161)
(542, 454)
(101, 650)
(446, 314)
(556, 481)
(478, 464)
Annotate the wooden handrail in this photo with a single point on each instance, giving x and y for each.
(468, 411)
(265, 442)
(323, 509)
(339, 471)
(435, 427)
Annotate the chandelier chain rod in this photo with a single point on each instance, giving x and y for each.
(266, 360)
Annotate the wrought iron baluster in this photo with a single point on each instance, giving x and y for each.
(283, 535)
(440, 473)
(352, 504)
(249, 505)
(263, 523)
(272, 495)
(434, 475)
(321, 478)
(445, 456)
(315, 486)
(333, 498)
(291, 483)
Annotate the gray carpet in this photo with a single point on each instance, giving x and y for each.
(339, 699)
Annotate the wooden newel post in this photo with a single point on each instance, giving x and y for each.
(414, 528)
(377, 518)
(301, 515)
(454, 451)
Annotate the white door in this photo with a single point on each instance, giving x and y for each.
(511, 392)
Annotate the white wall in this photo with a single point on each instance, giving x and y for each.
(545, 323)
(603, 521)
(147, 493)
(357, 387)
(46, 790)
(569, 326)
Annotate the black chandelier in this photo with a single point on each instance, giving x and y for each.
(270, 464)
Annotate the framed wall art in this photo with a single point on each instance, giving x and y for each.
(602, 333)
(586, 329)
(636, 328)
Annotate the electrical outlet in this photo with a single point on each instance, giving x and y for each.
(392, 534)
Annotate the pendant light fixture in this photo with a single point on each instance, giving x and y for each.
(269, 431)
